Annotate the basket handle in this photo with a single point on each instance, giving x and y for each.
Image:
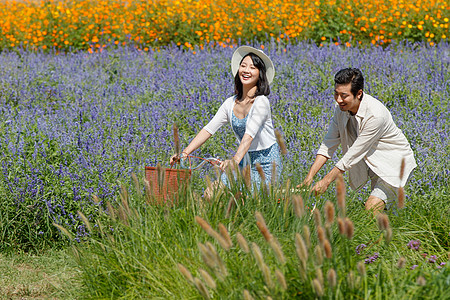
(212, 160)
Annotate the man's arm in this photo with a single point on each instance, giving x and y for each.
(321, 186)
(317, 165)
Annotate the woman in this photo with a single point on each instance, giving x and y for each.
(249, 114)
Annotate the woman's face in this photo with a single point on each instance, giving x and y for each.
(248, 73)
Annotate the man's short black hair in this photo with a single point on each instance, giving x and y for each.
(350, 75)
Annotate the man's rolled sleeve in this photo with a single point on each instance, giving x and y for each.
(331, 141)
(370, 133)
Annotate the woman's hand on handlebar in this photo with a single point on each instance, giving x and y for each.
(177, 157)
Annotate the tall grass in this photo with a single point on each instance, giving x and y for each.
(270, 243)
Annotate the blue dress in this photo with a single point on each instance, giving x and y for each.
(265, 157)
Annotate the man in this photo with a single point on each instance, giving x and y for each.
(372, 145)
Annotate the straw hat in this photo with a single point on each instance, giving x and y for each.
(243, 51)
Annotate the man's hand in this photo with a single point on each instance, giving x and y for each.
(320, 187)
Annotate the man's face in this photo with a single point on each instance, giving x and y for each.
(345, 98)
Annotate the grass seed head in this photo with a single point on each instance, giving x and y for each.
(201, 288)
(63, 230)
(361, 267)
(242, 242)
(264, 231)
(301, 249)
(85, 221)
(318, 288)
(281, 142)
(207, 256)
(183, 270)
(306, 236)
(176, 139)
(208, 279)
(321, 235)
(317, 218)
(327, 249)
(247, 295)
(421, 281)
(261, 172)
(267, 276)
(401, 197)
(95, 199)
(247, 176)
(257, 254)
(276, 247)
(329, 212)
(137, 185)
(281, 279)
(349, 228)
(319, 275)
(382, 221)
(340, 193)
(401, 263)
(402, 168)
(297, 203)
(226, 236)
(388, 235)
(341, 226)
(332, 278)
(318, 255)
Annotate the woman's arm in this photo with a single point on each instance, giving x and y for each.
(199, 139)
(240, 153)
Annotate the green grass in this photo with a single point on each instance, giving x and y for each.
(53, 274)
(135, 251)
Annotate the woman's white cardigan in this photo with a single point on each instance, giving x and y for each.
(259, 122)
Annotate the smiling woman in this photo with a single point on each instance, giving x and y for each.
(249, 114)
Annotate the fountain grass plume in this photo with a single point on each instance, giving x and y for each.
(281, 279)
(226, 236)
(329, 212)
(327, 249)
(281, 142)
(349, 228)
(242, 242)
(318, 288)
(201, 288)
(318, 255)
(85, 221)
(331, 278)
(321, 235)
(340, 194)
(208, 279)
(298, 206)
(267, 275)
(276, 247)
(257, 254)
(211, 232)
(301, 248)
(307, 236)
(317, 217)
(176, 139)
(247, 295)
(185, 272)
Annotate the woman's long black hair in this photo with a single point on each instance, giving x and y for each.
(262, 86)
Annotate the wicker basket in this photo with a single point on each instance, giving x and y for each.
(165, 185)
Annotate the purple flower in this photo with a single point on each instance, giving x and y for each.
(432, 259)
(441, 265)
(371, 259)
(414, 266)
(360, 248)
(414, 244)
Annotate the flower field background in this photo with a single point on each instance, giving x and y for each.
(93, 25)
(89, 94)
(78, 125)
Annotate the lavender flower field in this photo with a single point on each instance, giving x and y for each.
(76, 125)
